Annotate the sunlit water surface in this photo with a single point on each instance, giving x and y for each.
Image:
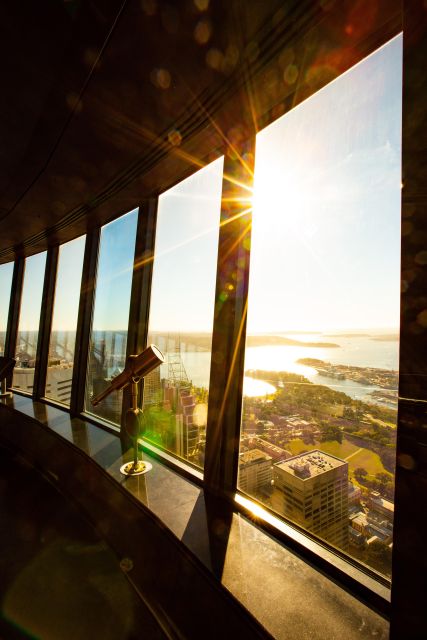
(356, 351)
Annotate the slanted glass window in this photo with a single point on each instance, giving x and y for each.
(64, 321)
(107, 353)
(6, 273)
(29, 321)
(320, 394)
(181, 313)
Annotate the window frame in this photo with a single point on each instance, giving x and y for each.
(48, 299)
(221, 465)
(8, 310)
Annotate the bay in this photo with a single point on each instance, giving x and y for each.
(360, 351)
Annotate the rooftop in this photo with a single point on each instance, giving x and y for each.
(312, 463)
(360, 518)
(377, 500)
(252, 456)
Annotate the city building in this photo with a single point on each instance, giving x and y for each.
(153, 389)
(354, 494)
(187, 432)
(59, 381)
(58, 384)
(255, 471)
(359, 522)
(381, 506)
(275, 452)
(312, 490)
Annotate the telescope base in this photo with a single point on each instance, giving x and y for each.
(132, 469)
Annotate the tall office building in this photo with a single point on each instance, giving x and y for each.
(153, 394)
(187, 435)
(58, 383)
(255, 471)
(312, 490)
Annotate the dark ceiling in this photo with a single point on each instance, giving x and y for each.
(106, 102)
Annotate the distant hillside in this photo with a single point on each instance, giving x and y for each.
(204, 341)
(262, 341)
(347, 335)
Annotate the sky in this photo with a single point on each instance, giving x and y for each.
(325, 250)
(32, 292)
(68, 282)
(186, 249)
(114, 273)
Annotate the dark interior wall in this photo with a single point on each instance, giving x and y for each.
(409, 590)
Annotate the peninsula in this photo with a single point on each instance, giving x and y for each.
(384, 378)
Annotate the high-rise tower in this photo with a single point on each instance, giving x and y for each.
(312, 490)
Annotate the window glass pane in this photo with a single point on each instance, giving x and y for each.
(29, 320)
(107, 354)
(181, 313)
(64, 321)
(6, 273)
(320, 394)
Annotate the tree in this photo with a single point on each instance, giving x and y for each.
(386, 486)
(349, 413)
(331, 432)
(360, 474)
(379, 556)
(383, 478)
(308, 438)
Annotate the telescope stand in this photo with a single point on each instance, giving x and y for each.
(3, 392)
(137, 467)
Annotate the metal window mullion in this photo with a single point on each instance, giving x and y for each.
(14, 310)
(408, 587)
(84, 321)
(229, 330)
(48, 298)
(141, 286)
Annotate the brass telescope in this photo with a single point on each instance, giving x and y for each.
(137, 367)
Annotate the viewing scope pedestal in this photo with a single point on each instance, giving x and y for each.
(137, 367)
(6, 369)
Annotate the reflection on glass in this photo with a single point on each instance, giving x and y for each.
(320, 395)
(107, 354)
(64, 321)
(29, 320)
(6, 273)
(181, 313)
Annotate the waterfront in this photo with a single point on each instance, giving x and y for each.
(361, 350)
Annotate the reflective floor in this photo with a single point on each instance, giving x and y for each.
(289, 597)
(58, 578)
